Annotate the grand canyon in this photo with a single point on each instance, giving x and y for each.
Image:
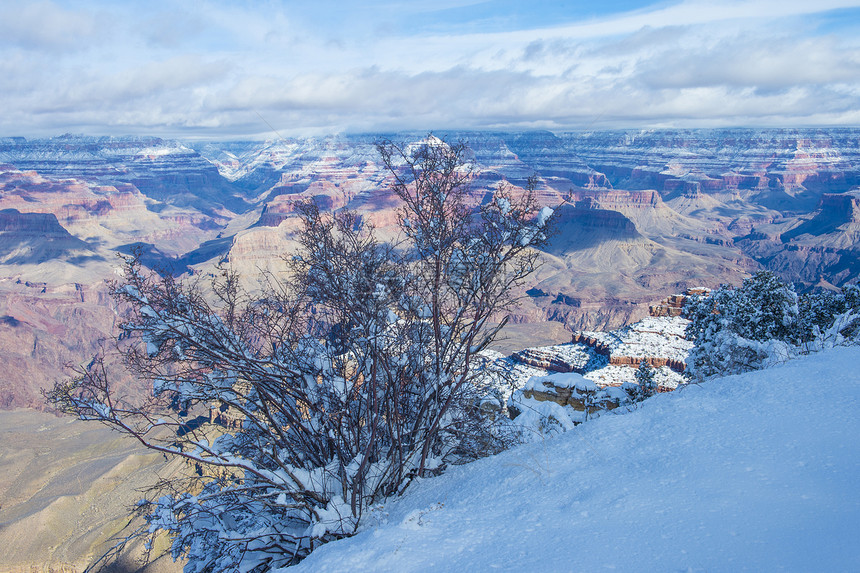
(639, 215)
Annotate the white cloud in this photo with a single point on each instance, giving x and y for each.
(211, 70)
(44, 25)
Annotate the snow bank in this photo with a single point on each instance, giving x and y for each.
(653, 336)
(759, 471)
(561, 380)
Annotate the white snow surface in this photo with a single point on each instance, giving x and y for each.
(560, 380)
(659, 337)
(755, 472)
(652, 336)
(615, 375)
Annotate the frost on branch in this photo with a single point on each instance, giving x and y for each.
(335, 387)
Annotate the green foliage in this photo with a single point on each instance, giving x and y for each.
(763, 321)
(646, 380)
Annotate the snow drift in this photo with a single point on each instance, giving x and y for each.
(759, 471)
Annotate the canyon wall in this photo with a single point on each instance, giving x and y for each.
(639, 215)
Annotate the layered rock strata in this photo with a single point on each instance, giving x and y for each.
(673, 305)
(657, 342)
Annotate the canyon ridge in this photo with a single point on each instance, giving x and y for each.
(639, 217)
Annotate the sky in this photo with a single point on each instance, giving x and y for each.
(242, 69)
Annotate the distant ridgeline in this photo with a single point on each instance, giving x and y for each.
(638, 212)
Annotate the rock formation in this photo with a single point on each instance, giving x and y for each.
(43, 328)
(659, 342)
(673, 305)
(640, 214)
(573, 391)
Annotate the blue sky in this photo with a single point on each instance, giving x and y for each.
(218, 69)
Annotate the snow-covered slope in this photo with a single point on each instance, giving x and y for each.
(759, 472)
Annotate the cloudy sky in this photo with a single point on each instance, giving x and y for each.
(225, 69)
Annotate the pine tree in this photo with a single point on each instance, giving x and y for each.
(646, 379)
(741, 329)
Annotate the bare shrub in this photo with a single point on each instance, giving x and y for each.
(335, 387)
